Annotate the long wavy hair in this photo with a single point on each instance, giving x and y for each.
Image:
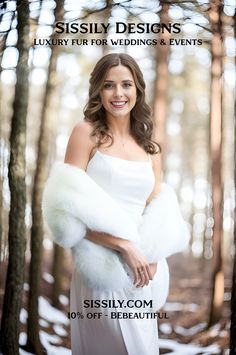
(141, 123)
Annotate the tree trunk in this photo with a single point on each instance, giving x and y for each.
(47, 122)
(233, 292)
(17, 230)
(107, 15)
(57, 274)
(161, 84)
(217, 296)
(1, 189)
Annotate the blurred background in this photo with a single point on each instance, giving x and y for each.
(191, 89)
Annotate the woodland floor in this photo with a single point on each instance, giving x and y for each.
(187, 309)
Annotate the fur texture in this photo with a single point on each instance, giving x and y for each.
(163, 230)
(73, 202)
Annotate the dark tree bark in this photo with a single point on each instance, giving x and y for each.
(233, 292)
(217, 296)
(161, 84)
(1, 191)
(17, 230)
(57, 269)
(47, 121)
(107, 15)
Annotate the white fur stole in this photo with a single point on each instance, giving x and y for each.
(73, 202)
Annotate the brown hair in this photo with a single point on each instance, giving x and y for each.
(141, 123)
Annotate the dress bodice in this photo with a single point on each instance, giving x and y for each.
(126, 181)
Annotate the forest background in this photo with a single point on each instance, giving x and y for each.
(191, 89)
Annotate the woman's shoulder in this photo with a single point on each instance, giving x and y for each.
(82, 132)
(83, 127)
(80, 144)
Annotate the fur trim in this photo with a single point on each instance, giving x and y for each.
(73, 202)
(160, 285)
(93, 259)
(163, 230)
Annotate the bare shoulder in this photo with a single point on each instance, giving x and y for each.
(83, 127)
(80, 145)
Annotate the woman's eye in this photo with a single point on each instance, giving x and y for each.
(107, 86)
(127, 85)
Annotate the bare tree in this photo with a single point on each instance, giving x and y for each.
(47, 122)
(216, 150)
(161, 82)
(233, 292)
(57, 274)
(107, 15)
(17, 230)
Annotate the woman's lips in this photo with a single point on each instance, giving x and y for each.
(118, 104)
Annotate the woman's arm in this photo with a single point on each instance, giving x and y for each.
(133, 257)
(78, 152)
(80, 145)
(157, 169)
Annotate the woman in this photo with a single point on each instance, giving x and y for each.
(114, 146)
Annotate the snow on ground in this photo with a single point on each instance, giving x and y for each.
(23, 316)
(22, 352)
(187, 349)
(190, 331)
(177, 306)
(165, 328)
(53, 315)
(26, 287)
(175, 348)
(48, 277)
(64, 300)
(50, 313)
(43, 323)
(46, 340)
(59, 330)
(214, 330)
(22, 338)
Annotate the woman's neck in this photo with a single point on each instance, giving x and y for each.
(119, 127)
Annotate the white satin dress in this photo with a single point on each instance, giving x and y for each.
(129, 183)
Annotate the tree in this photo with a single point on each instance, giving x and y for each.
(17, 230)
(107, 14)
(57, 274)
(216, 149)
(161, 82)
(47, 122)
(233, 292)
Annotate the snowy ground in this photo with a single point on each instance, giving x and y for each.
(47, 313)
(187, 308)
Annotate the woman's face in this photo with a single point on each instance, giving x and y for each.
(118, 94)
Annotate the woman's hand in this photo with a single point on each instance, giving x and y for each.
(138, 264)
(132, 256)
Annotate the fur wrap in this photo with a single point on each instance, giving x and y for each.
(72, 202)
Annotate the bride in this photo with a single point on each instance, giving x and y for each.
(112, 293)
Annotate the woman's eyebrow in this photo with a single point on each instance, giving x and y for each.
(112, 81)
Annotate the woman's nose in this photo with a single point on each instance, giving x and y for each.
(118, 91)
